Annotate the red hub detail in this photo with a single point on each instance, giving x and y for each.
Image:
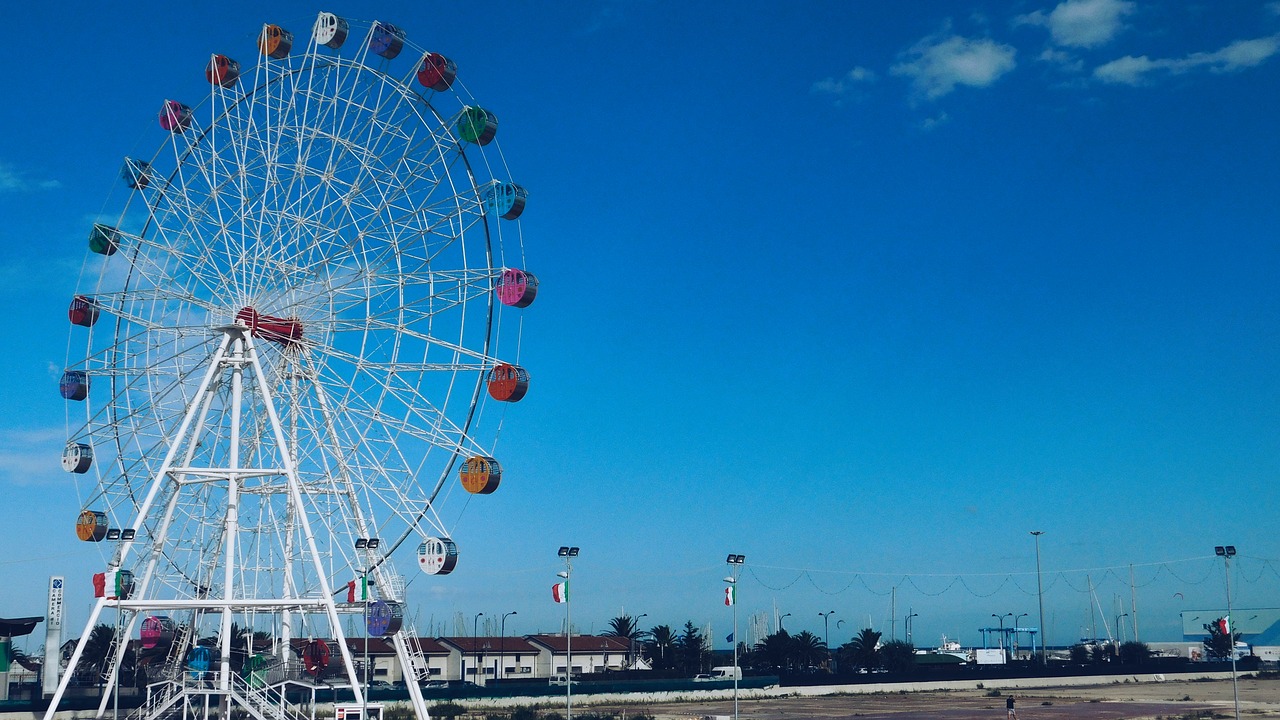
(286, 331)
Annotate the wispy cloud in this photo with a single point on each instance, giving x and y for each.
(1082, 23)
(937, 65)
(1239, 55)
(12, 180)
(842, 86)
(934, 122)
(31, 456)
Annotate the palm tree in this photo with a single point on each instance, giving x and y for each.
(626, 627)
(97, 649)
(775, 652)
(661, 647)
(808, 650)
(863, 650)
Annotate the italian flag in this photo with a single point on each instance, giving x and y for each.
(560, 592)
(730, 595)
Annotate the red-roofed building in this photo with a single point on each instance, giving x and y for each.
(503, 658)
(591, 653)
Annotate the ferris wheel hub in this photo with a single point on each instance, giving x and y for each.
(285, 331)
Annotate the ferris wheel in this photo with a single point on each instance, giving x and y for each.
(291, 351)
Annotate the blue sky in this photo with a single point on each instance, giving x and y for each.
(864, 293)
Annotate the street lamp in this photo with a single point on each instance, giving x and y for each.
(502, 645)
(1226, 552)
(784, 617)
(475, 648)
(906, 624)
(1044, 654)
(731, 598)
(568, 553)
(1016, 620)
(1001, 619)
(635, 630)
(826, 633)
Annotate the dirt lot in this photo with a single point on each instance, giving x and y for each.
(1259, 698)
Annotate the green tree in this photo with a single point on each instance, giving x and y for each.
(1079, 654)
(863, 651)
(661, 647)
(773, 653)
(626, 628)
(1218, 645)
(94, 658)
(1134, 653)
(692, 650)
(808, 650)
(898, 656)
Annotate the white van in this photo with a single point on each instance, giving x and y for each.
(726, 672)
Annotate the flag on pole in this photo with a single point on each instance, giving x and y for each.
(728, 638)
(1224, 626)
(729, 595)
(560, 592)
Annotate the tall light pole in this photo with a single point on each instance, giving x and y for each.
(784, 617)
(1044, 654)
(568, 554)
(502, 645)
(826, 633)
(906, 624)
(1226, 552)
(475, 648)
(731, 598)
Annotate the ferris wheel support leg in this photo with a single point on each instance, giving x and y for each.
(156, 482)
(233, 513)
(410, 676)
(75, 658)
(295, 496)
(122, 646)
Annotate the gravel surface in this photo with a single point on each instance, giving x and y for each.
(1259, 698)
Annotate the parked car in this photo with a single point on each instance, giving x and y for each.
(702, 677)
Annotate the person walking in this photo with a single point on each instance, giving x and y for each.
(1010, 713)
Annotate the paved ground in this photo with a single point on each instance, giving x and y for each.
(1260, 698)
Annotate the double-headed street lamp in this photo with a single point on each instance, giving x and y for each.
(826, 633)
(731, 598)
(1001, 619)
(1226, 552)
(568, 553)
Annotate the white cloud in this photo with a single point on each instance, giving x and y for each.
(936, 66)
(930, 123)
(31, 456)
(1241, 54)
(1064, 60)
(1082, 23)
(844, 84)
(11, 180)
